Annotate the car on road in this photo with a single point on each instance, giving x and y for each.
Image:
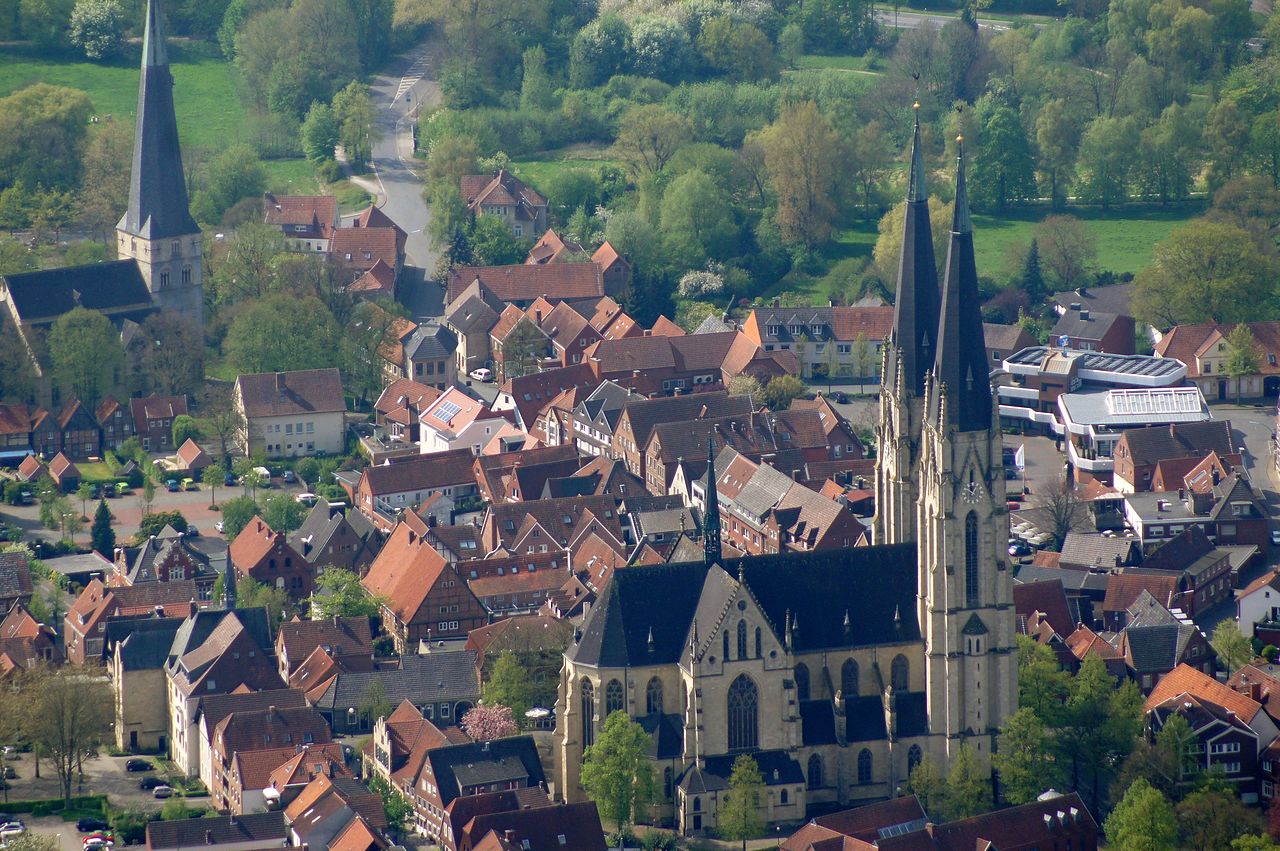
(98, 836)
(162, 791)
(89, 825)
(138, 765)
(172, 486)
(841, 397)
(122, 488)
(97, 843)
(149, 783)
(483, 374)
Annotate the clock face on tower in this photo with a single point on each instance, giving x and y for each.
(971, 493)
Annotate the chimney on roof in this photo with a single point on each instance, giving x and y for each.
(1082, 291)
(279, 382)
(208, 837)
(776, 303)
(509, 835)
(648, 332)
(831, 302)
(157, 611)
(193, 607)
(1084, 314)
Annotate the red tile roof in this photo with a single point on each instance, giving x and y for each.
(404, 572)
(379, 279)
(362, 248)
(16, 419)
(525, 283)
(61, 467)
(1186, 680)
(316, 211)
(1124, 588)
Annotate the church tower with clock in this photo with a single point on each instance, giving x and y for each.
(965, 585)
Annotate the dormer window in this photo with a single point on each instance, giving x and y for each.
(775, 330)
(815, 330)
(796, 330)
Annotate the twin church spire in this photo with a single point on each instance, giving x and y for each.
(935, 334)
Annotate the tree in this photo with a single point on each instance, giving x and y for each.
(320, 133)
(46, 22)
(509, 684)
(802, 155)
(184, 428)
(737, 49)
(395, 806)
(1206, 272)
(537, 91)
(649, 136)
(97, 27)
(745, 385)
(1004, 169)
(175, 809)
(493, 243)
(864, 357)
(598, 51)
(43, 132)
(1063, 508)
(1067, 249)
(374, 703)
(1100, 727)
(67, 713)
(740, 817)
(236, 514)
(211, 477)
(888, 248)
(660, 47)
(1058, 131)
(169, 365)
(84, 493)
(968, 785)
(1232, 646)
(1214, 817)
(489, 721)
(1021, 760)
(283, 513)
(148, 495)
(223, 419)
(1254, 842)
(1143, 821)
(697, 220)
(244, 270)
(1242, 356)
(153, 524)
(1108, 155)
(85, 351)
(1031, 281)
(782, 390)
(251, 594)
(1043, 686)
(339, 594)
(233, 174)
(870, 159)
(280, 333)
(616, 772)
(357, 130)
(929, 786)
(102, 536)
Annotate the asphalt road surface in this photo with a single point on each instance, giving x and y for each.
(915, 20)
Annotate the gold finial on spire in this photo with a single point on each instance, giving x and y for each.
(960, 139)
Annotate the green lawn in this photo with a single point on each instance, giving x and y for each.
(839, 63)
(291, 177)
(94, 471)
(1125, 237)
(209, 109)
(540, 171)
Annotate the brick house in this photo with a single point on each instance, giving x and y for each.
(153, 420)
(328, 539)
(652, 365)
(268, 729)
(425, 597)
(640, 416)
(307, 222)
(1140, 450)
(385, 490)
(1203, 348)
(1004, 341)
(504, 195)
(115, 422)
(1092, 331)
(848, 338)
(85, 624)
(348, 640)
(521, 285)
(264, 555)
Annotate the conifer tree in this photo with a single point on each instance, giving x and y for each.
(102, 535)
(1032, 282)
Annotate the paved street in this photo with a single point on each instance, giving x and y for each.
(400, 93)
(915, 20)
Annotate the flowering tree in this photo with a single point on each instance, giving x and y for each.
(488, 722)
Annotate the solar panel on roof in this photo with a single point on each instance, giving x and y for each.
(447, 411)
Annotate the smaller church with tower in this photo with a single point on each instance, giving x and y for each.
(158, 243)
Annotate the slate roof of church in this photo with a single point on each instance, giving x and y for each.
(874, 582)
(107, 287)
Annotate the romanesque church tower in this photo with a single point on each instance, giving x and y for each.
(157, 230)
(908, 355)
(965, 586)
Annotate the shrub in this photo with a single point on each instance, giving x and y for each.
(97, 27)
(701, 283)
(1270, 652)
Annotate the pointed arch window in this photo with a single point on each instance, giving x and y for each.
(914, 756)
(653, 696)
(742, 639)
(759, 644)
(802, 681)
(849, 679)
(588, 714)
(971, 559)
(743, 704)
(900, 673)
(612, 697)
(815, 772)
(726, 645)
(864, 765)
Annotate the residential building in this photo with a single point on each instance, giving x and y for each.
(287, 414)
(262, 780)
(521, 285)
(639, 417)
(426, 599)
(1085, 329)
(457, 421)
(1138, 451)
(307, 222)
(1204, 349)
(136, 667)
(85, 624)
(25, 642)
(347, 639)
(522, 475)
(1005, 341)
(254, 832)
(399, 484)
(653, 365)
(15, 579)
(1258, 604)
(470, 313)
(328, 539)
(535, 829)
(81, 438)
(428, 356)
(167, 557)
(1229, 513)
(241, 733)
(399, 406)
(442, 684)
(115, 421)
(210, 711)
(504, 195)
(336, 813)
(264, 555)
(842, 342)
(1156, 640)
(360, 250)
(64, 472)
(153, 418)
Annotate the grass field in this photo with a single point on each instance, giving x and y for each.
(541, 171)
(209, 109)
(840, 63)
(291, 177)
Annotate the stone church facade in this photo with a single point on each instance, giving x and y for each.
(836, 671)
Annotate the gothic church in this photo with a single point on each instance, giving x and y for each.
(836, 670)
(157, 240)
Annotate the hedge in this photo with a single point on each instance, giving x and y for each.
(55, 805)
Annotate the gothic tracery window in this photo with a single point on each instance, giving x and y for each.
(588, 713)
(971, 559)
(900, 673)
(815, 772)
(612, 697)
(802, 681)
(743, 714)
(864, 765)
(742, 639)
(914, 756)
(653, 696)
(849, 679)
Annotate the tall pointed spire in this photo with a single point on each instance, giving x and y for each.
(229, 587)
(158, 206)
(915, 312)
(711, 516)
(961, 362)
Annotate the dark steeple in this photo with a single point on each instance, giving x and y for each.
(157, 185)
(229, 587)
(711, 517)
(915, 312)
(961, 363)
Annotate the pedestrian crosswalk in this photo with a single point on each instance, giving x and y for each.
(411, 76)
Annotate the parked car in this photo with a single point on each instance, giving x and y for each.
(265, 475)
(97, 843)
(98, 836)
(841, 397)
(122, 488)
(289, 476)
(138, 765)
(307, 499)
(94, 491)
(149, 783)
(1018, 549)
(172, 485)
(229, 480)
(188, 484)
(89, 825)
(162, 791)
(219, 526)
(483, 374)
(9, 830)
(10, 773)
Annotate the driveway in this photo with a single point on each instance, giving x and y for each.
(103, 775)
